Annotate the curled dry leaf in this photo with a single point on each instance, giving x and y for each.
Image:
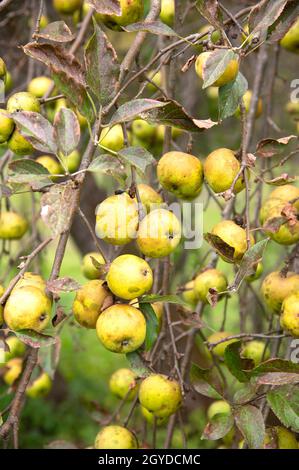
(56, 207)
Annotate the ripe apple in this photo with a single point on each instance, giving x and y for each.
(167, 11)
(123, 384)
(256, 350)
(218, 407)
(228, 75)
(6, 126)
(220, 170)
(131, 12)
(209, 279)
(13, 226)
(112, 138)
(19, 145)
(189, 294)
(27, 308)
(234, 236)
(39, 387)
(51, 164)
(289, 319)
(117, 219)
(180, 174)
(150, 199)
(13, 370)
(275, 288)
(159, 233)
(121, 328)
(39, 86)
(115, 437)
(221, 347)
(89, 301)
(67, 7)
(23, 101)
(290, 41)
(129, 276)
(88, 268)
(160, 395)
(278, 437)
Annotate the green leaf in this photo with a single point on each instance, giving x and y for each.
(170, 299)
(27, 171)
(235, 364)
(108, 165)
(138, 157)
(284, 402)
(106, 7)
(216, 64)
(250, 422)
(102, 68)
(37, 130)
(137, 364)
(249, 260)
(153, 27)
(173, 114)
(66, 130)
(34, 339)
(67, 73)
(57, 31)
(205, 382)
(244, 394)
(275, 365)
(218, 427)
(132, 109)
(230, 96)
(152, 325)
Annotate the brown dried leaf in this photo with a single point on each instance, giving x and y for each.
(56, 207)
(106, 7)
(62, 284)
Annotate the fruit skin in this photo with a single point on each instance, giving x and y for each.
(115, 437)
(290, 41)
(16, 348)
(150, 199)
(88, 303)
(31, 279)
(88, 268)
(288, 233)
(257, 273)
(27, 308)
(220, 169)
(39, 86)
(132, 12)
(12, 226)
(159, 233)
(112, 138)
(40, 387)
(23, 101)
(220, 348)
(8, 82)
(121, 328)
(51, 164)
(160, 395)
(129, 276)
(289, 319)
(167, 12)
(160, 134)
(218, 407)
(209, 279)
(280, 438)
(67, 7)
(275, 288)
(256, 351)
(44, 21)
(189, 294)
(247, 100)
(117, 219)
(14, 370)
(228, 75)
(143, 130)
(72, 161)
(157, 79)
(287, 193)
(150, 417)
(19, 145)
(6, 126)
(180, 174)
(3, 70)
(123, 384)
(234, 236)
(292, 107)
